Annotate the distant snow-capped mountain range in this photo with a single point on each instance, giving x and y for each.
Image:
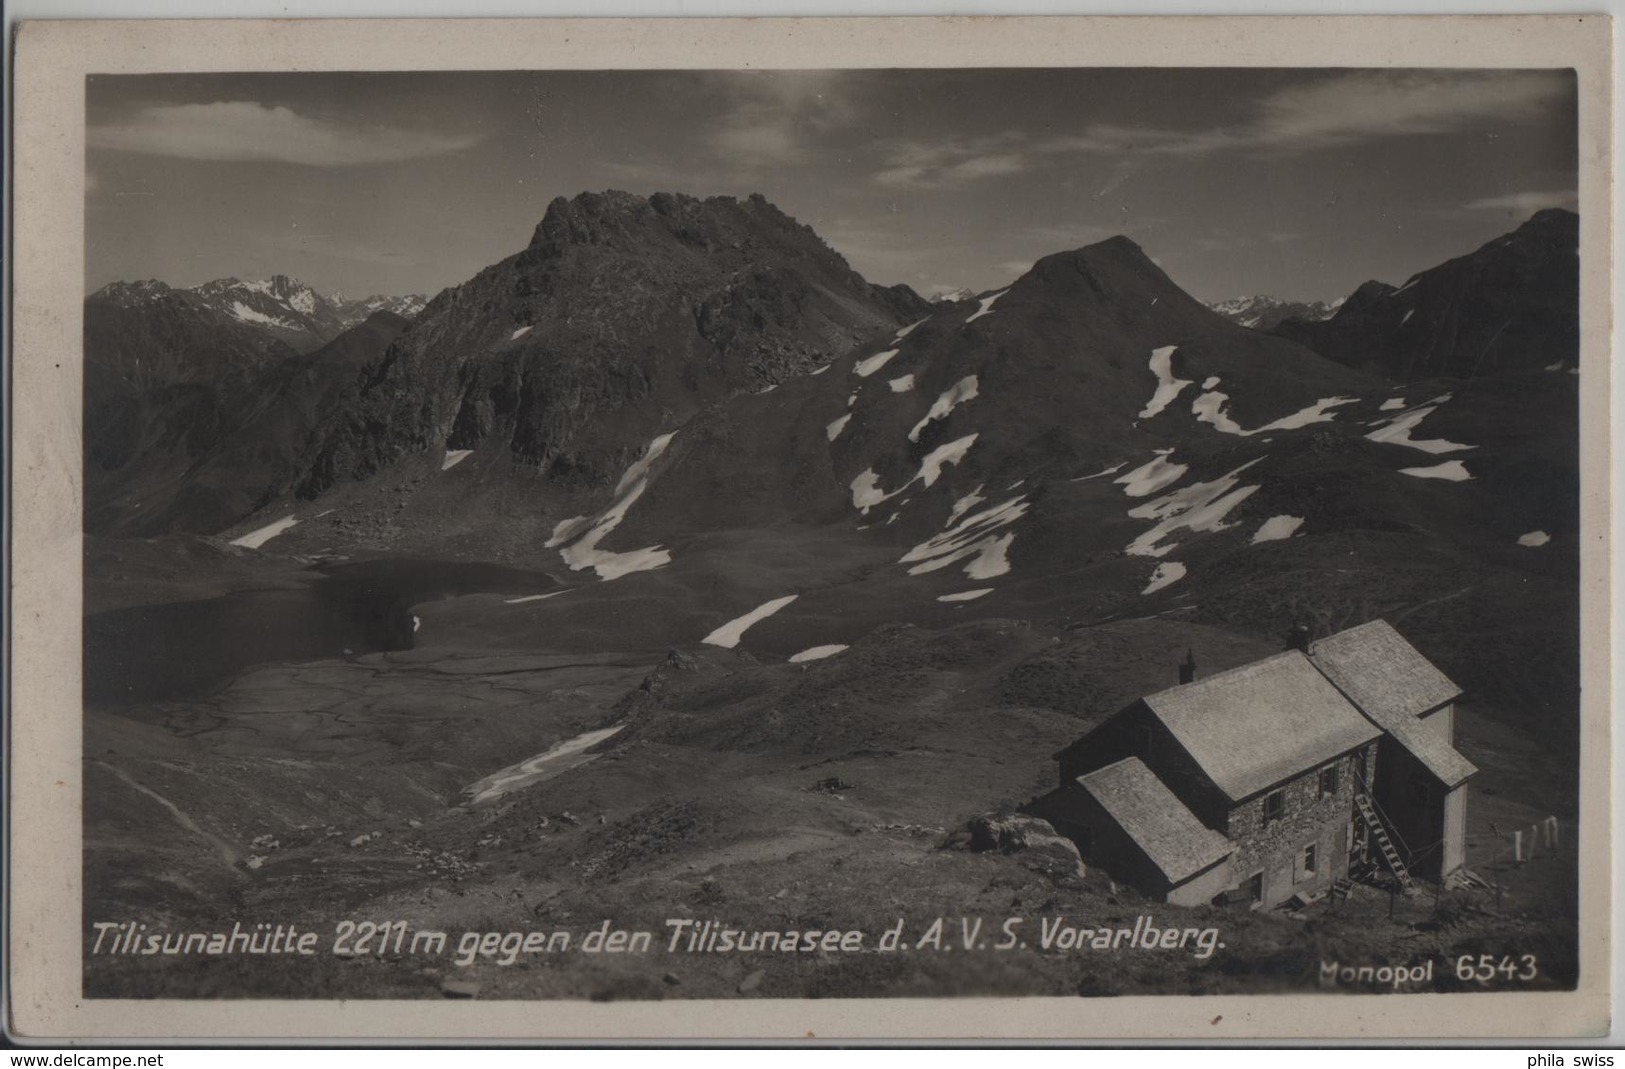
(285, 307)
(1263, 312)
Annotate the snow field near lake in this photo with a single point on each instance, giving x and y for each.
(816, 653)
(1276, 528)
(986, 306)
(533, 597)
(954, 396)
(257, 538)
(1199, 507)
(974, 537)
(1534, 538)
(1167, 572)
(454, 457)
(728, 635)
(1452, 470)
(579, 536)
(1168, 387)
(1397, 431)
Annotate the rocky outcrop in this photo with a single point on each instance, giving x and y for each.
(1039, 845)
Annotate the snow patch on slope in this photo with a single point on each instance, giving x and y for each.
(866, 491)
(1167, 572)
(836, 426)
(868, 366)
(1209, 407)
(902, 384)
(533, 597)
(1452, 470)
(1151, 476)
(1397, 431)
(1197, 507)
(1113, 470)
(1168, 387)
(584, 552)
(241, 311)
(954, 396)
(454, 457)
(966, 595)
(257, 538)
(817, 653)
(986, 306)
(972, 537)
(966, 503)
(728, 635)
(1534, 538)
(1276, 528)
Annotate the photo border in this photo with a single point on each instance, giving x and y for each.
(52, 59)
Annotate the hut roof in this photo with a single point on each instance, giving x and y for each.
(1390, 681)
(1255, 726)
(1169, 834)
(1382, 673)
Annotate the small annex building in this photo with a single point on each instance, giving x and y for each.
(1274, 778)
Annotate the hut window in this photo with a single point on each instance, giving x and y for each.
(1328, 781)
(1255, 887)
(1274, 806)
(1309, 860)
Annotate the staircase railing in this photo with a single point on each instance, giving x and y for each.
(1379, 833)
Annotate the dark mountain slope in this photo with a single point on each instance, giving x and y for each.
(212, 437)
(622, 316)
(1511, 305)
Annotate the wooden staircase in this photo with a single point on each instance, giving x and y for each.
(1385, 843)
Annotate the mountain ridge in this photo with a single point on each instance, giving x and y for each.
(284, 307)
(1512, 304)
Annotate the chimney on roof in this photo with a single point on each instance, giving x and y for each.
(1187, 667)
(1298, 638)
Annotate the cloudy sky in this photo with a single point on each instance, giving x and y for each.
(1296, 183)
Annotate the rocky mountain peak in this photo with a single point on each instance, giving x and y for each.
(131, 294)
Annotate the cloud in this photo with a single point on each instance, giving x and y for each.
(952, 163)
(776, 115)
(1341, 109)
(1525, 203)
(1366, 104)
(249, 131)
